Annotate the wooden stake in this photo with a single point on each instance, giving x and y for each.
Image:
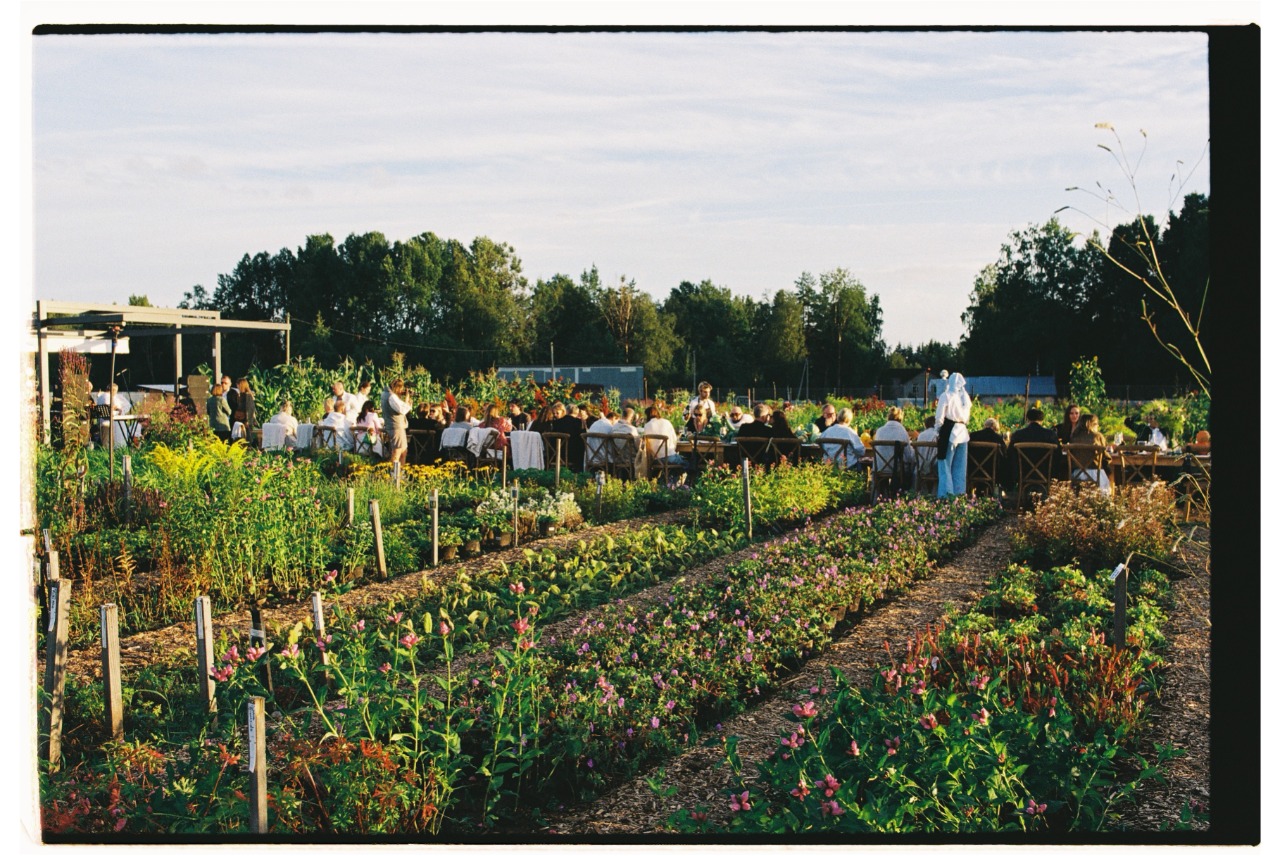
(435, 527)
(258, 633)
(204, 652)
(376, 517)
(557, 465)
(53, 571)
(317, 619)
(127, 475)
(599, 494)
(746, 492)
(1119, 631)
(55, 668)
(112, 695)
(258, 765)
(515, 514)
(351, 507)
(395, 469)
(504, 466)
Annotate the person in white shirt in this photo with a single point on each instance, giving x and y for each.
(344, 403)
(892, 431)
(286, 418)
(703, 399)
(954, 406)
(737, 418)
(362, 395)
(338, 422)
(657, 427)
(395, 411)
(603, 425)
(119, 405)
(842, 429)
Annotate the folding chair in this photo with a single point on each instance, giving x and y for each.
(1087, 464)
(1035, 468)
(888, 466)
(599, 451)
(984, 462)
(324, 437)
(482, 455)
(926, 466)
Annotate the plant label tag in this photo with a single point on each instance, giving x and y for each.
(200, 619)
(317, 613)
(1116, 573)
(102, 622)
(48, 544)
(53, 609)
(255, 633)
(253, 741)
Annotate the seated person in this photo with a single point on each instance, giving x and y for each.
(519, 419)
(462, 416)
(990, 433)
(493, 418)
(759, 428)
(699, 422)
(825, 420)
(286, 418)
(337, 420)
(1201, 445)
(1087, 433)
(841, 428)
(366, 429)
(890, 432)
(737, 418)
(655, 428)
(604, 425)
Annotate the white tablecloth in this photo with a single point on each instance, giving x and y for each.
(304, 434)
(526, 450)
(272, 436)
(454, 435)
(476, 440)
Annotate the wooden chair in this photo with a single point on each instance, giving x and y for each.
(757, 450)
(1035, 468)
(599, 451)
(422, 445)
(926, 466)
(1130, 467)
(702, 454)
(984, 463)
(838, 451)
(786, 449)
(624, 451)
(1087, 464)
(888, 467)
(487, 458)
(555, 445)
(657, 447)
(324, 437)
(457, 452)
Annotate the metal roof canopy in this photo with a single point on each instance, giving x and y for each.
(114, 321)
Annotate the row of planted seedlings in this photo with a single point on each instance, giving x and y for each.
(250, 528)
(381, 733)
(1020, 714)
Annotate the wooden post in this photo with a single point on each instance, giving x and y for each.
(1119, 631)
(53, 571)
(48, 542)
(1026, 398)
(504, 465)
(112, 695)
(376, 517)
(257, 765)
(435, 527)
(127, 475)
(317, 619)
(204, 652)
(395, 471)
(558, 465)
(55, 668)
(515, 514)
(746, 491)
(351, 506)
(111, 408)
(599, 494)
(258, 633)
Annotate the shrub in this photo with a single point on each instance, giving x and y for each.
(1099, 530)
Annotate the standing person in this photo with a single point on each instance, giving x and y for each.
(702, 399)
(219, 413)
(395, 417)
(231, 394)
(953, 437)
(247, 412)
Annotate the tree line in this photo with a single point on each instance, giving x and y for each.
(1047, 300)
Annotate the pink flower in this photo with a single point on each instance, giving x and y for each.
(654, 722)
(795, 741)
(254, 654)
(290, 653)
(409, 639)
(358, 626)
(521, 625)
(853, 749)
(891, 746)
(929, 721)
(800, 791)
(516, 588)
(1034, 807)
(384, 668)
(740, 802)
(232, 655)
(980, 682)
(331, 576)
(395, 617)
(830, 785)
(222, 673)
(444, 628)
(806, 710)
(832, 808)
(982, 717)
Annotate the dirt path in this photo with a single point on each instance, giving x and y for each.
(700, 776)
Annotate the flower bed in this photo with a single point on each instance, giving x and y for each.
(782, 496)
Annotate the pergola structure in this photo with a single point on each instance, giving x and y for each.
(59, 323)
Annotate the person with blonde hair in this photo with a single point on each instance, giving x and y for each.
(1087, 433)
(841, 428)
(892, 431)
(395, 415)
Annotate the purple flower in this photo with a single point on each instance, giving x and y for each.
(740, 802)
(654, 722)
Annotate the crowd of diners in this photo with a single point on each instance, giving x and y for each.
(381, 427)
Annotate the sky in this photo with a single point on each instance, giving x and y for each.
(744, 158)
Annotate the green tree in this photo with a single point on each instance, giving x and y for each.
(843, 327)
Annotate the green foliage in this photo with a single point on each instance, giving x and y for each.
(1086, 385)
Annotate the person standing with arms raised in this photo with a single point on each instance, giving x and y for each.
(953, 437)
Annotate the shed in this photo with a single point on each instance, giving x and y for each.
(1043, 387)
(628, 380)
